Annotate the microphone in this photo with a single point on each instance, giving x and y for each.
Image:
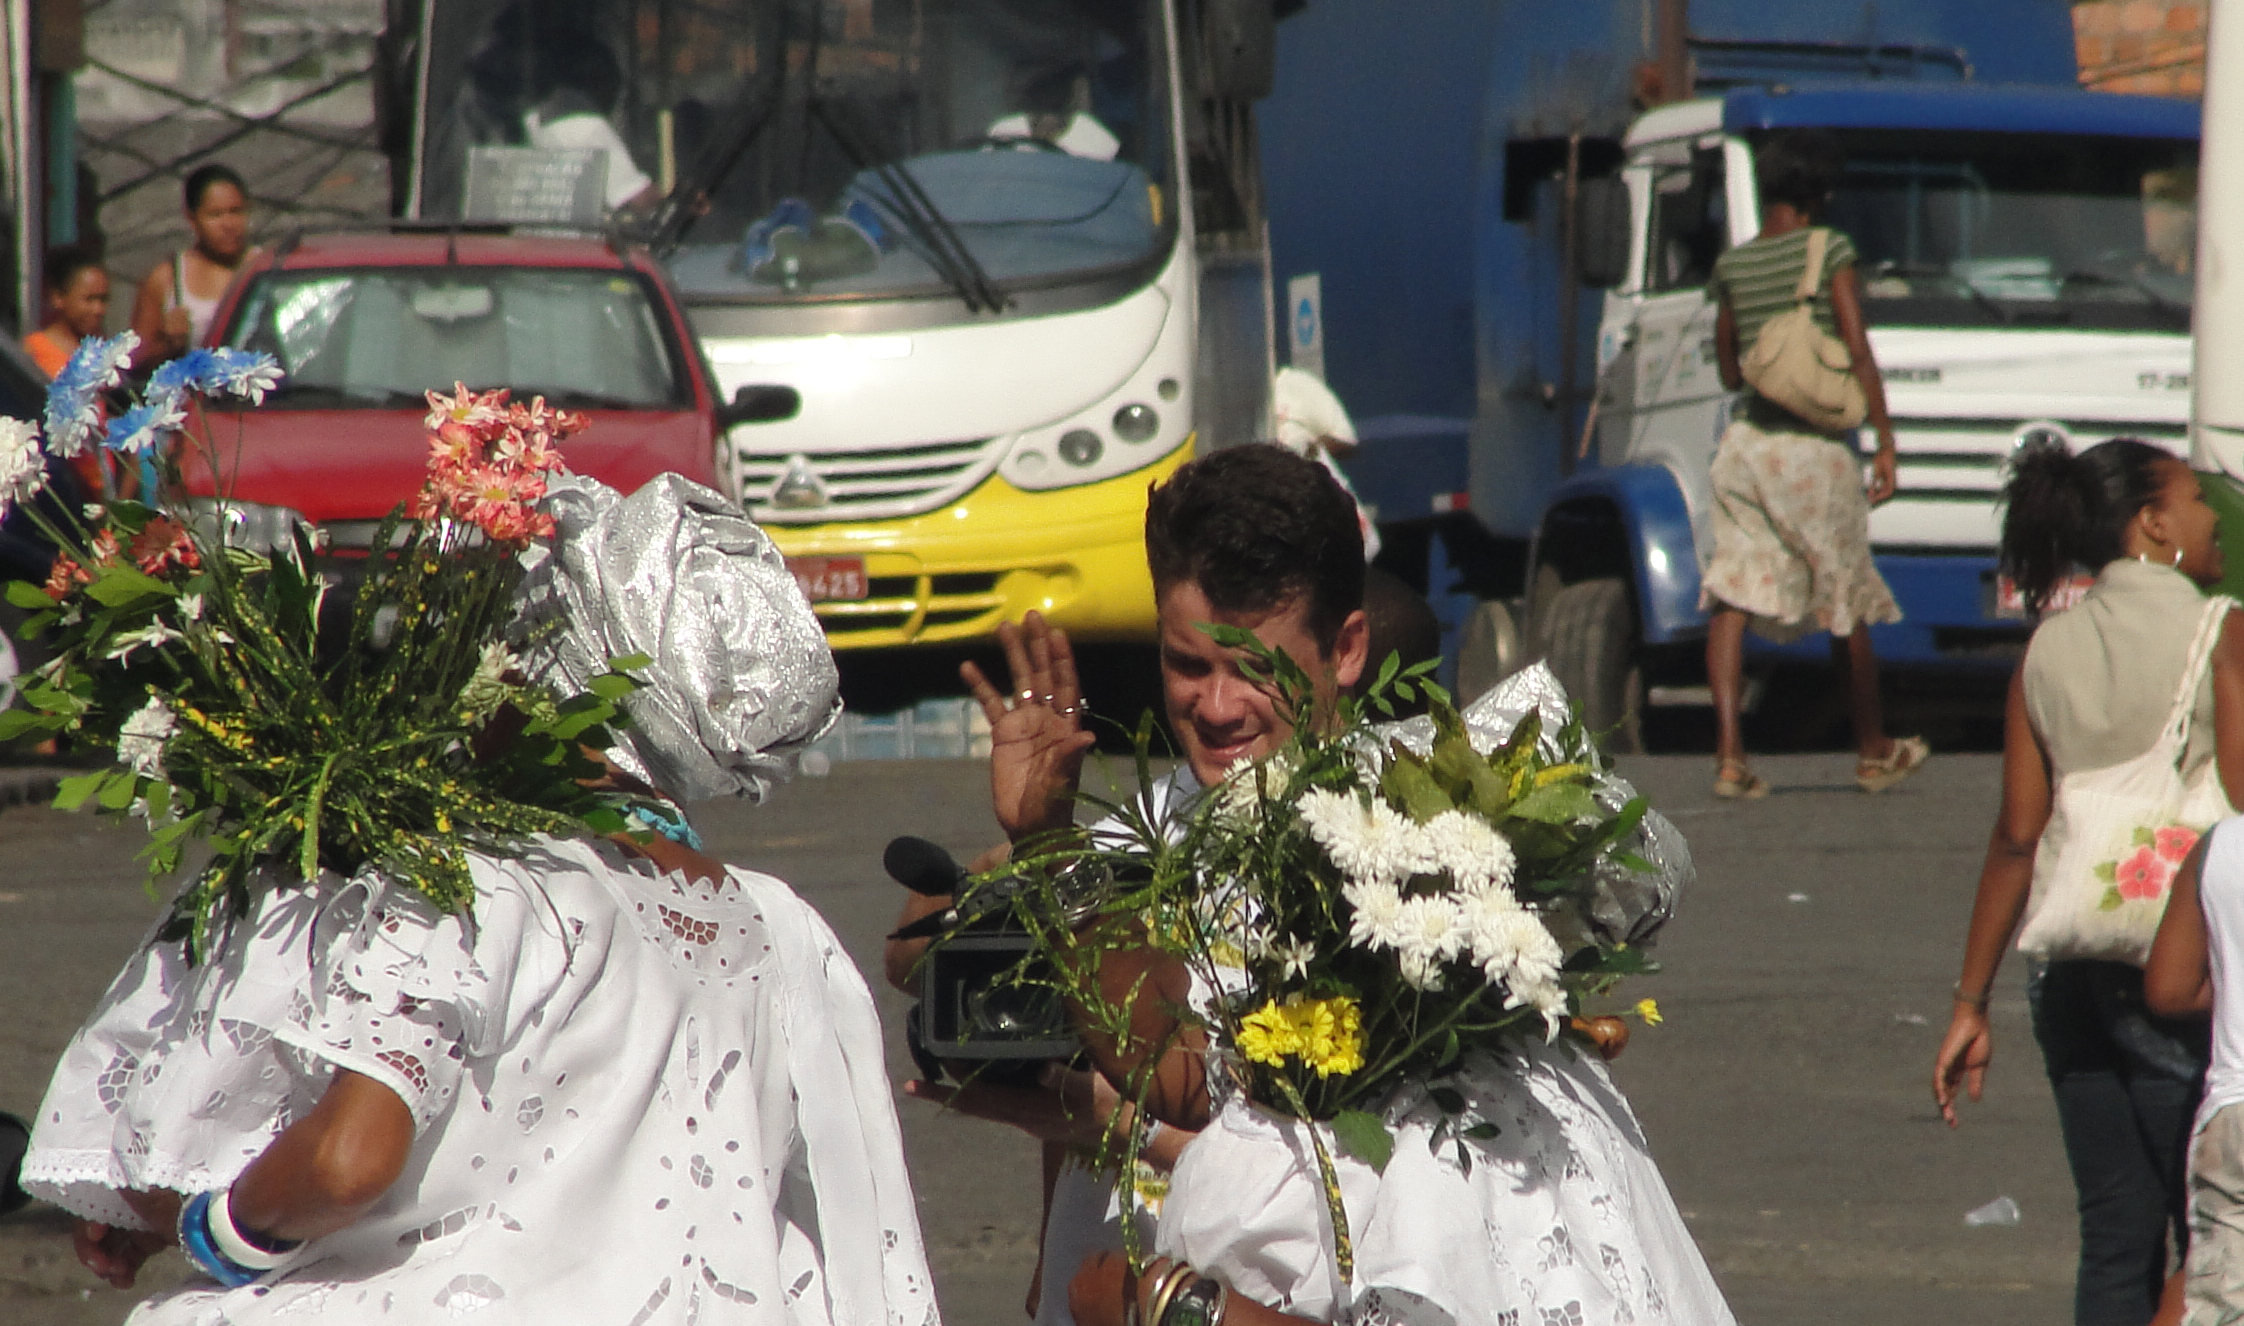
(923, 867)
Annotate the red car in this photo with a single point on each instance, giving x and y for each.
(364, 324)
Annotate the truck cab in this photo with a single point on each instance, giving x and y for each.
(2025, 257)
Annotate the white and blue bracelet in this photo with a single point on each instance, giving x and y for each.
(211, 1240)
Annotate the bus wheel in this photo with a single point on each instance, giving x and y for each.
(1589, 641)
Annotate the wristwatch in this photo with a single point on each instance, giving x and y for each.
(1200, 1303)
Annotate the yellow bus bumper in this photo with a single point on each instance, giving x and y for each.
(1076, 555)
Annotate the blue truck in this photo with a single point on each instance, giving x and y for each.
(1512, 211)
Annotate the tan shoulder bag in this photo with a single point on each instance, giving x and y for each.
(1798, 365)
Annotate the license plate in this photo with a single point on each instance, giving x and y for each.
(2010, 605)
(830, 579)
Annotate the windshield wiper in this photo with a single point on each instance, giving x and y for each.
(944, 250)
(2129, 279)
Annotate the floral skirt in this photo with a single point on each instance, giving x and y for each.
(1792, 535)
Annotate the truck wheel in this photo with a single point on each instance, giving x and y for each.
(1590, 643)
(1489, 649)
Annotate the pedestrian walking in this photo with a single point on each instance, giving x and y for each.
(2137, 688)
(1791, 517)
(180, 295)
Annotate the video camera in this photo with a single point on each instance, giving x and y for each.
(974, 1007)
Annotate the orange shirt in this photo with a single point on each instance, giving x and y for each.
(47, 352)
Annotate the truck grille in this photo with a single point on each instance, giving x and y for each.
(865, 483)
(1952, 472)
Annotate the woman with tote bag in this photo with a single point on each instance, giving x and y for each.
(2124, 741)
(1791, 517)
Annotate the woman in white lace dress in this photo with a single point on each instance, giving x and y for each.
(636, 1087)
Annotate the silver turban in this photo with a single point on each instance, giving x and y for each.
(741, 678)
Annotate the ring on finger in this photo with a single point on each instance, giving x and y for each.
(1026, 697)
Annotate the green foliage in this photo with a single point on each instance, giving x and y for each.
(285, 760)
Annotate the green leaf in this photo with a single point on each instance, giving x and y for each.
(629, 663)
(2112, 902)
(122, 586)
(71, 793)
(24, 594)
(2144, 837)
(118, 792)
(1559, 803)
(1408, 783)
(2107, 871)
(17, 722)
(1363, 1136)
(612, 686)
(1483, 1132)
(1450, 1099)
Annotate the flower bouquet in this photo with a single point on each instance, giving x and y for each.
(1363, 908)
(199, 657)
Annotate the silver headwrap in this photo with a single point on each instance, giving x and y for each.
(741, 678)
(1629, 906)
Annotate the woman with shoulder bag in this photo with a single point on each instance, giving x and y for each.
(2124, 740)
(1791, 518)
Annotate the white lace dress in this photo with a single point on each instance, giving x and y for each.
(1562, 1219)
(640, 1100)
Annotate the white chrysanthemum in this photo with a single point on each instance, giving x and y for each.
(140, 742)
(1378, 913)
(1250, 783)
(1369, 843)
(1470, 849)
(23, 466)
(1513, 947)
(1430, 931)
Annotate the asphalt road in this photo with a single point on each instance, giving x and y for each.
(1806, 987)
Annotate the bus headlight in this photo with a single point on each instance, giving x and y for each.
(1080, 446)
(1136, 423)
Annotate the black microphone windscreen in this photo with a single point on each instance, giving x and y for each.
(921, 866)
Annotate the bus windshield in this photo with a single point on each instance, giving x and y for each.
(833, 149)
(2021, 229)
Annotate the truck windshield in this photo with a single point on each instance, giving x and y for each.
(839, 149)
(2021, 229)
(380, 338)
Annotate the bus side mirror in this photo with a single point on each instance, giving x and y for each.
(760, 405)
(1242, 47)
(1601, 232)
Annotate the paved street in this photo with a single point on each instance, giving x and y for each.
(1785, 1096)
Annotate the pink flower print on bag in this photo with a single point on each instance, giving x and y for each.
(2174, 842)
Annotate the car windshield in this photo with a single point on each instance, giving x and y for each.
(2021, 229)
(836, 149)
(582, 338)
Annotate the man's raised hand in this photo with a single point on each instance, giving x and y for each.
(1037, 738)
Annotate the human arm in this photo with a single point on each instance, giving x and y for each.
(1100, 1293)
(1846, 311)
(2178, 977)
(1037, 738)
(162, 329)
(328, 1168)
(2228, 707)
(1726, 343)
(2004, 881)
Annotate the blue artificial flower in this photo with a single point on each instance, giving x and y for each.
(195, 371)
(74, 397)
(139, 429)
(243, 373)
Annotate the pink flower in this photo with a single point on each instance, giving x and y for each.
(2175, 841)
(2143, 876)
(481, 413)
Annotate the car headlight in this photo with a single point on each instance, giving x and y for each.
(251, 526)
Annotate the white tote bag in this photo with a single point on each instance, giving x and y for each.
(2118, 834)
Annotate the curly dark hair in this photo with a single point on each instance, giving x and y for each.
(1254, 526)
(2063, 510)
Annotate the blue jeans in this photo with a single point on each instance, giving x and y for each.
(2127, 1086)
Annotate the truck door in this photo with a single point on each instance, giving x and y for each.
(1659, 393)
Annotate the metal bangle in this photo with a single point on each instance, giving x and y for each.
(1978, 1001)
(1171, 1280)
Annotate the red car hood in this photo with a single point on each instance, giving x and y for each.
(358, 464)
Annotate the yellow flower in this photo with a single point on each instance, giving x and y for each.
(1325, 1034)
(1649, 1010)
(1268, 1035)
